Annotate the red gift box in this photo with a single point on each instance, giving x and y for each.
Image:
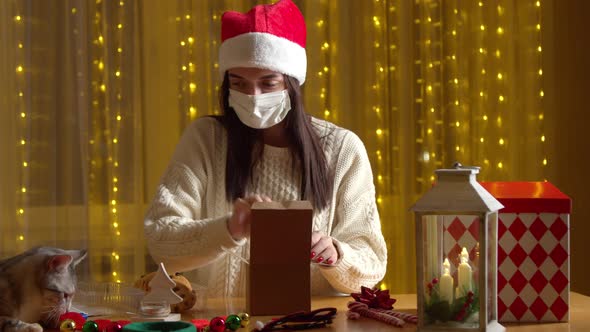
(533, 250)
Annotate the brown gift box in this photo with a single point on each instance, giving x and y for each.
(280, 242)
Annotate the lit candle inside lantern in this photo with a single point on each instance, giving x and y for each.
(446, 282)
(464, 273)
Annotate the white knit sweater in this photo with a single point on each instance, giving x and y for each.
(186, 225)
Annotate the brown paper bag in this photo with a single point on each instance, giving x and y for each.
(280, 242)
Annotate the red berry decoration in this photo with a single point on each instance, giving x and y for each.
(217, 324)
(434, 281)
(114, 327)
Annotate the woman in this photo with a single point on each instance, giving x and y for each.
(265, 147)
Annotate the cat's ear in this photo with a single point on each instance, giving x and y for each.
(78, 256)
(59, 262)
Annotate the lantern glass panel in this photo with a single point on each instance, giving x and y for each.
(450, 265)
(492, 265)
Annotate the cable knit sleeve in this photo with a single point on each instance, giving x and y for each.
(356, 231)
(177, 229)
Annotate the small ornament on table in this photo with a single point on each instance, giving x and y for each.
(67, 325)
(155, 305)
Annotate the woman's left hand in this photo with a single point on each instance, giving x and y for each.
(322, 248)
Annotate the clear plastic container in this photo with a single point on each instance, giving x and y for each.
(107, 298)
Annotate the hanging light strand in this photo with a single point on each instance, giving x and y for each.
(23, 117)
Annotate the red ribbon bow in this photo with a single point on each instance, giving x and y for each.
(378, 299)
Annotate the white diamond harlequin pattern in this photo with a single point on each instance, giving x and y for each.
(533, 263)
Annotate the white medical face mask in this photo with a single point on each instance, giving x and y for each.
(260, 111)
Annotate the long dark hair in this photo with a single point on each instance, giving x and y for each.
(304, 144)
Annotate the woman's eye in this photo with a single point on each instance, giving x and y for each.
(271, 84)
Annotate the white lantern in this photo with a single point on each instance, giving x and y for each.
(456, 254)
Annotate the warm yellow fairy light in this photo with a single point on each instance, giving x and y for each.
(320, 23)
(117, 73)
(187, 16)
(539, 48)
(190, 40)
(119, 26)
(538, 3)
(17, 18)
(116, 224)
(182, 43)
(23, 189)
(376, 21)
(20, 45)
(192, 110)
(115, 140)
(501, 98)
(456, 81)
(21, 211)
(114, 210)
(429, 88)
(543, 138)
(485, 117)
(429, 131)
(100, 39)
(482, 27)
(500, 76)
(541, 93)
(115, 189)
(22, 114)
(19, 69)
(538, 26)
(457, 148)
(22, 142)
(21, 237)
(500, 165)
(25, 164)
(457, 124)
(192, 86)
(481, 139)
(103, 88)
(545, 162)
(100, 65)
(118, 118)
(501, 141)
(326, 113)
(379, 132)
(497, 53)
(540, 72)
(500, 30)
(481, 94)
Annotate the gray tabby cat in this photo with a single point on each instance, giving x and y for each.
(37, 287)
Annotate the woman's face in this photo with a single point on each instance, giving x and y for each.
(255, 81)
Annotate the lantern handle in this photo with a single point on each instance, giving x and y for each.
(458, 165)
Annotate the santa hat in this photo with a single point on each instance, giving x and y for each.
(268, 36)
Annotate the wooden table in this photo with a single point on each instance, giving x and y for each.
(579, 315)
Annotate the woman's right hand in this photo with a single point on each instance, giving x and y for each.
(239, 223)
